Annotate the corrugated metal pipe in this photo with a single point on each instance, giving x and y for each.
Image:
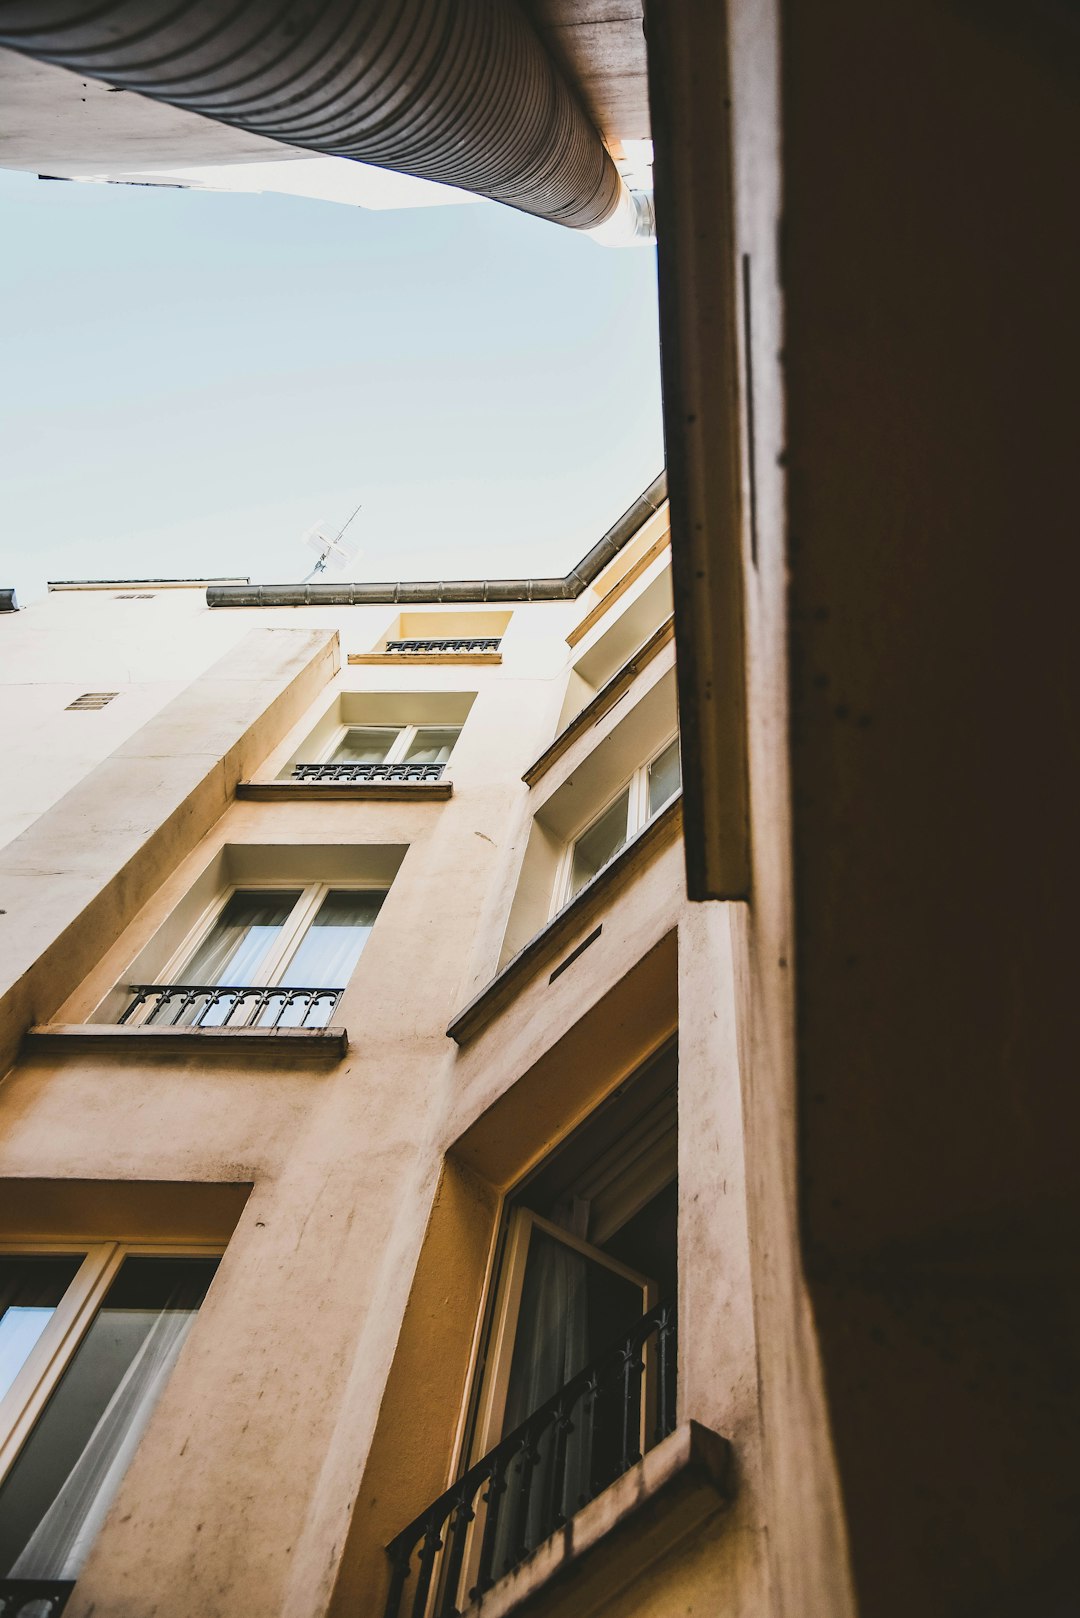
(359, 595)
(458, 91)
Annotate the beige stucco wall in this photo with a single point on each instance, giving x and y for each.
(316, 1405)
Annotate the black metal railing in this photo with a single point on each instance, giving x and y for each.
(34, 1598)
(452, 643)
(367, 772)
(530, 1485)
(217, 1005)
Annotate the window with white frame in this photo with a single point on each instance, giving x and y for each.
(393, 744)
(377, 736)
(89, 1336)
(651, 787)
(261, 956)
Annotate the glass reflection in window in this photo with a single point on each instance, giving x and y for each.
(31, 1286)
(54, 1500)
(241, 938)
(365, 744)
(603, 840)
(664, 777)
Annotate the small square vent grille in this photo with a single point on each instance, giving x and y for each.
(91, 699)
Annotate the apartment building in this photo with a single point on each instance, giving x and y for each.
(371, 1172)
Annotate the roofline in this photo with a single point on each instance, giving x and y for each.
(141, 584)
(567, 588)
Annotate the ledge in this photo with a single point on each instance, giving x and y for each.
(667, 1497)
(425, 657)
(284, 1047)
(604, 700)
(561, 928)
(339, 791)
(643, 563)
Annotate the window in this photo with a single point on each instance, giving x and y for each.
(393, 744)
(88, 1339)
(376, 736)
(648, 791)
(265, 956)
(577, 1367)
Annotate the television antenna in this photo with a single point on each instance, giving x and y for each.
(332, 550)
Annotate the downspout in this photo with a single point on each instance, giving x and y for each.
(457, 91)
(435, 590)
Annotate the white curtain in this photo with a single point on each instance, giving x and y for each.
(551, 1346)
(60, 1543)
(329, 950)
(239, 940)
(365, 745)
(431, 746)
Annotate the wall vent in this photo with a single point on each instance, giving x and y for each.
(91, 699)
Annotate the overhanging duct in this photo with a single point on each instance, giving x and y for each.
(457, 91)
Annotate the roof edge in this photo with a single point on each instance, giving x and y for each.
(412, 591)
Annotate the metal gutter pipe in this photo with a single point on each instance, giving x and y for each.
(457, 91)
(422, 590)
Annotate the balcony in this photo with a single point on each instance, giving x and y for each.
(193, 1005)
(34, 1598)
(527, 1488)
(350, 774)
(453, 644)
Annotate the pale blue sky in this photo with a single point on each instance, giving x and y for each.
(189, 380)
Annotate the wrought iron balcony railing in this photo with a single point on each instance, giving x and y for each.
(528, 1487)
(347, 773)
(200, 1005)
(451, 643)
(34, 1598)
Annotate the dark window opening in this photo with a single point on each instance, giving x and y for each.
(577, 1377)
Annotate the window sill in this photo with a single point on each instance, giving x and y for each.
(570, 920)
(343, 791)
(667, 1497)
(605, 699)
(275, 1046)
(425, 657)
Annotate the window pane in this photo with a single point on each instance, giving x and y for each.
(55, 1497)
(664, 777)
(600, 843)
(432, 745)
(30, 1289)
(241, 938)
(572, 1309)
(329, 950)
(366, 744)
